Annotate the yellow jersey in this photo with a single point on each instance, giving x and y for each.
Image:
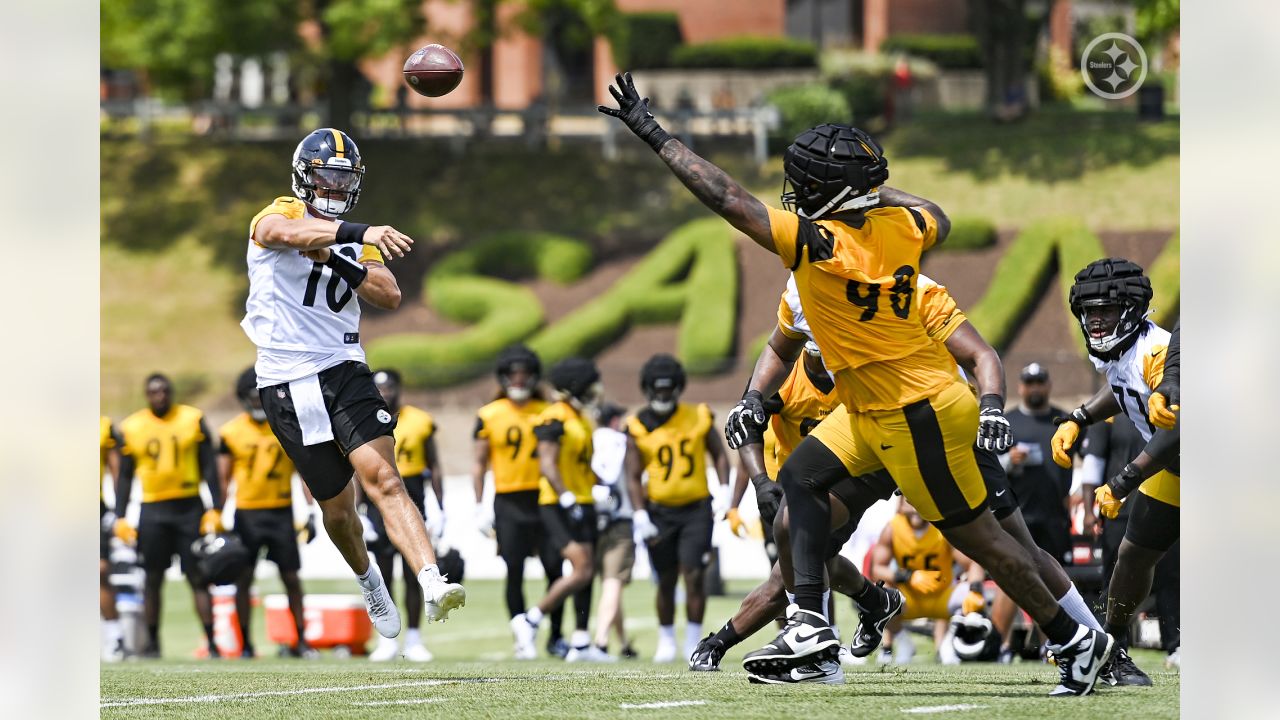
(771, 463)
(260, 469)
(561, 423)
(803, 407)
(513, 450)
(165, 451)
(858, 287)
(674, 453)
(414, 428)
(106, 442)
(927, 551)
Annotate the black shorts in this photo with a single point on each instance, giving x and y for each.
(517, 525)
(561, 530)
(166, 528)
(999, 495)
(1053, 536)
(684, 536)
(356, 409)
(105, 534)
(1153, 524)
(416, 486)
(273, 529)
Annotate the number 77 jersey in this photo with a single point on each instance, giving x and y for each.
(1134, 374)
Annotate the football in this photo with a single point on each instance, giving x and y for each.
(433, 70)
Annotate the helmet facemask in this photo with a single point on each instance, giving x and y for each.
(332, 189)
(1107, 323)
(517, 381)
(663, 394)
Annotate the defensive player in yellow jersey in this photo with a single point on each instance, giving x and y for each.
(504, 442)
(854, 246)
(108, 459)
(250, 457)
(668, 442)
(170, 450)
(1110, 299)
(565, 500)
(913, 556)
(419, 464)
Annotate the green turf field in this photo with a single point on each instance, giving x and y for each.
(474, 677)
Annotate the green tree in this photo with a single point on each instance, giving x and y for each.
(1005, 32)
(1157, 19)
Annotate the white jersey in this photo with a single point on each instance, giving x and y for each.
(609, 452)
(302, 317)
(1136, 373)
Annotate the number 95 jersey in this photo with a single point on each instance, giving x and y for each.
(674, 453)
(302, 317)
(1136, 373)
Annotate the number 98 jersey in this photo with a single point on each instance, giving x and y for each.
(674, 453)
(1136, 373)
(302, 317)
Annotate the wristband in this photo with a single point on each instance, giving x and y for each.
(1126, 482)
(347, 269)
(1081, 417)
(350, 233)
(991, 401)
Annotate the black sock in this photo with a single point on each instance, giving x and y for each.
(1120, 633)
(153, 635)
(870, 597)
(208, 632)
(728, 635)
(809, 597)
(1060, 629)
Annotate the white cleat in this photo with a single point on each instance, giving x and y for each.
(525, 633)
(591, 654)
(824, 672)
(1081, 661)
(440, 595)
(388, 649)
(382, 609)
(418, 653)
(666, 651)
(847, 659)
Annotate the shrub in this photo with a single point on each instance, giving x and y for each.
(707, 328)
(947, 51)
(1165, 283)
(761, 53)
(865, 79)
(970, 233)
(803, 106)
(648, 40)
(511, 254)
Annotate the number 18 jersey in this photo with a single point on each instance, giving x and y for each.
(302, 316)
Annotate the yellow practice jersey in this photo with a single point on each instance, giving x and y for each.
(858, 287)
(513, 450)
(771, 463)
(927, 551)
(106, 443)
(260, 469)
(674, 453)
(803, 407)
(414, 428)
(165, 451)
(562, 424)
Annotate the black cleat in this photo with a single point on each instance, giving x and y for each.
(806, 639)
(707, 656)
(872, 621)
(247, 652)
(1080, 662)
(557, 647)
(1121, 670)
(628, 652)
(214, 652)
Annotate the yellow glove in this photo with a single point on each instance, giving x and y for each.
(1108, 505)
(1063, 439)
(1161, 413)
(126, 532)
(925, 582)
(211, 522)
(736, 525)
(973, 602)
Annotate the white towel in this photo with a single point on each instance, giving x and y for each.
(313, 417)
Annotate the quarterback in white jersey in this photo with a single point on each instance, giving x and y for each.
(1110, 299)
(306, 270)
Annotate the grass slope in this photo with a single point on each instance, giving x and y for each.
(474, 677)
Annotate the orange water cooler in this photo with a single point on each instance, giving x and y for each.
(339, 622)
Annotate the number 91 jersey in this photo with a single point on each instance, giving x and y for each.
(674, 453)
(1136, 373)
(296, 305)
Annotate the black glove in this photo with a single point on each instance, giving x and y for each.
(746, 422)
(768, 496)
(994, 432)
(634, 111)
(308, 532)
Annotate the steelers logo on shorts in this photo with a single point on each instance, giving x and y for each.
(384, 417)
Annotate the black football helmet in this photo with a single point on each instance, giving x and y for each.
(327, 170)
(221, 558)
(831, 169)
(520, 357)
(388, 383)
(247, 394)
(1103, 285)
(662, 379)
(576, 377)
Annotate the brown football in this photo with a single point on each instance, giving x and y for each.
(433, 70)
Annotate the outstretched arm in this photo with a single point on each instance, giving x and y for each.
(893, 197)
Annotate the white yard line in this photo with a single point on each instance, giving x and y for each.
(929, 709)
(657, 705)
(281, 693)
(416, 701)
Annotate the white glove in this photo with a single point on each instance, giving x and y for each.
(108, 522)
(568, 499)
(643, 528)
(370, 535)
(720, 503)
(435, 524)
(484, 519)
(601, 496)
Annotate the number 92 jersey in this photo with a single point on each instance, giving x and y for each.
(1136, 373)
(299, 306)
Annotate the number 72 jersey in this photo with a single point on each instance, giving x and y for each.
(1135, 374)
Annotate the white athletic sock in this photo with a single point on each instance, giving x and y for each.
(412, 637)
(111, 633)
(791, 598)
(534, 616)
(579, 639)
(370, 579)
(692, 636)
(667, 634)
(428, 574)
(826, 603)
(1076, 607)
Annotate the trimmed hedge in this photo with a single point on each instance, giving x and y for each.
(648, 41)
(758, 53)
(1165, 274)
(705, 302)
(511, 254)
(970, 233)
(947, 51)
(803, 106)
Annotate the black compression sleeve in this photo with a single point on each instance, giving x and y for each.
(350, 233)
(347, 269)
(124, 484)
